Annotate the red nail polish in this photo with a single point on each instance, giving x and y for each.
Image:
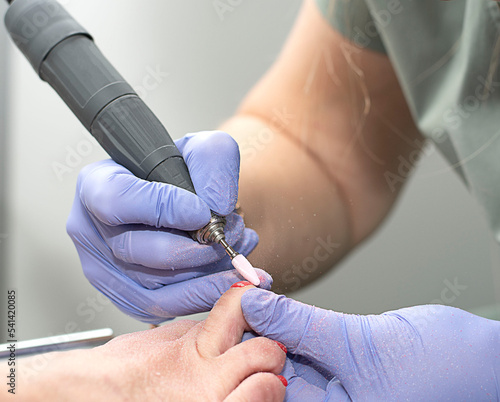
(283, 380)
(282, 347)
(241, 284)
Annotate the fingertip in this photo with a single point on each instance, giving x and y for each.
(266, 280)
(259, 387)
(256, 295)
(221, 197)
(258, 305)
(283, 380)
(241, 284)
(222, 144)
(301, 390)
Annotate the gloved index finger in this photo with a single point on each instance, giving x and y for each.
(115, 197)
(175, 300)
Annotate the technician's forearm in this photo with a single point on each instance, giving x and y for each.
(319, 135)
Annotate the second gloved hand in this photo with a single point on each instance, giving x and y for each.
(427, 353)
(131, 234)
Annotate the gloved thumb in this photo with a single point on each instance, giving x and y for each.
(305, 330)
(213, 159)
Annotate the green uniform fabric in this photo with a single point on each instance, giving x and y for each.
(446, 56)
(353, 19)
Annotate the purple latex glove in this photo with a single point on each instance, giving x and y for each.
(428, 353)
(131, 239)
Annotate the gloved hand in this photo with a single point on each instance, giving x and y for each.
(131, 239)
(426, 353)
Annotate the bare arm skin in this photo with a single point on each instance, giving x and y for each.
(317, 134)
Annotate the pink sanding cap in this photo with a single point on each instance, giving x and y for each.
(243, 266)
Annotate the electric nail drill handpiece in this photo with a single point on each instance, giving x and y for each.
(63, 54)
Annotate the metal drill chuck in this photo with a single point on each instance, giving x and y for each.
(213, 232)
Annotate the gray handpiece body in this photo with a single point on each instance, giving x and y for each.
(65, 56)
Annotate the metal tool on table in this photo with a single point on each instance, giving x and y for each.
(63, 54)
(76, 340)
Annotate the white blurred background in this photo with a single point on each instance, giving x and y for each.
(435, 237)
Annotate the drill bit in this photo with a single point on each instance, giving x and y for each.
(243, 266)
(229, 250)
(213, 232)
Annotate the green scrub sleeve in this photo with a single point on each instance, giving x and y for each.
(353, 19)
